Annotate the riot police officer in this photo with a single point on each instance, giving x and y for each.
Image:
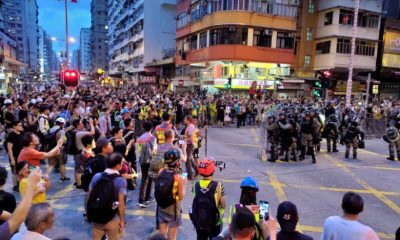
(331, 132)
(273, 137)
(393, 136)
(307, 130)
(352, 137)
(290, 131)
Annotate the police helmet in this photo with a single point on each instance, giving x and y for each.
(249, 182)
(392, 134)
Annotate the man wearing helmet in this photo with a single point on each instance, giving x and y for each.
(290, 131)
(351, 138)
(308, 126)
(208, 203)
(331, 132)
(169, 193)
(393, 137)
(273, 137)
(61, 159)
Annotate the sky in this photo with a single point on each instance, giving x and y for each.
(52, 19)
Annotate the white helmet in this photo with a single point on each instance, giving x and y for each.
(8, 101)
(60, 120)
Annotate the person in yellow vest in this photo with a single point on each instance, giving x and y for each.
(214, 212)
(248, 199)
(162, 128)
(213, 113)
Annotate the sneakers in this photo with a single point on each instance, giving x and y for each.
(143, 204)
(79, 187)
(64, 180)
(391, 158)
(150, 200)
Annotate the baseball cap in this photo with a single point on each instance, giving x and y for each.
(287, 216)
(101, 142)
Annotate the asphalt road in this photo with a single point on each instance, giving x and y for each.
(316, 189)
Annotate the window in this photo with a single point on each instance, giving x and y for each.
(368, 20)
(323, 47)
(193, 42)
(311, 6)
(365, 48)
(346, 17)
(285, 40)
(328, 18)
(262, 38)
(183, 19)
(309, 34)
(307, 61)
(343, 46)
(230, 35)
(203, 40)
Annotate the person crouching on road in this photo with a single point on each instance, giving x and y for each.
(209, 198)
(169, 193)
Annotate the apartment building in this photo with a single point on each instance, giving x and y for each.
(84, 49)
(99, 36)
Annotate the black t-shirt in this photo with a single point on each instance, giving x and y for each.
(99, 164)
(7, 202)
(15, 139)
(291, 236)
(23, 114)
(9, 116)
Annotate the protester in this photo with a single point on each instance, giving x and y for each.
(109, 220)
(347, 226)
(24, 169)
(20, 213)
(7, 200)
(40, 219)
(13, 148)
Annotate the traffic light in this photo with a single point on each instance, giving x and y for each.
(71, 78)
(317, 84)
(327, 74)
(317, 92)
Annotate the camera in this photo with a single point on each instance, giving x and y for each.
(220, 165)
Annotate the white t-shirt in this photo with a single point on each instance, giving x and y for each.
(338, 228)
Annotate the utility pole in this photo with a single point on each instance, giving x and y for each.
(353, 48)
(66, 36)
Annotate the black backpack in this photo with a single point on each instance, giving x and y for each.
(88, 174)
(51, 139)
(71, 142)
(350, 134)
(164, 189)
(205, 214)
(100, 203)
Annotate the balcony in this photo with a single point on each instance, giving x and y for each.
(238, 53)
(334, 60)
(347, 31)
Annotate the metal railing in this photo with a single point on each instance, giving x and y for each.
(373, 127)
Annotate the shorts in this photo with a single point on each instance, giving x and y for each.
(79, 164)
(165, 218)
(60, 159)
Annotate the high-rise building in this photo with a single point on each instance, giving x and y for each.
(21, 24)
(391, 8)
(84, 47)
(99, 36)
(243, 42)
(140, 32)
(76, 59)
(45, 52)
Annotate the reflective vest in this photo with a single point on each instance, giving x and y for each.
(160, 132)
(196, 138)
(194, 112)
(141, 114)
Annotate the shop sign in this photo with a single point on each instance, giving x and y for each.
(392, 42)
(242, 84)
(375, 89)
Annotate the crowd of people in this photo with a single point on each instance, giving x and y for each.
(110, 134)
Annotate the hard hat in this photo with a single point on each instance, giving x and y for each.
(249, 182)
(60, 120)
(8, 101)
(171, 156)
(124, 110)
(206, 167)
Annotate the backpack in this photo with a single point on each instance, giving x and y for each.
(164, 189)
(71, 142)
(101, 204)
(156, 163)
(205, 214)
(88, 174)
(50, 139)
(351, 133)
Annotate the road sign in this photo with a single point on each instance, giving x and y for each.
(375, 89)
